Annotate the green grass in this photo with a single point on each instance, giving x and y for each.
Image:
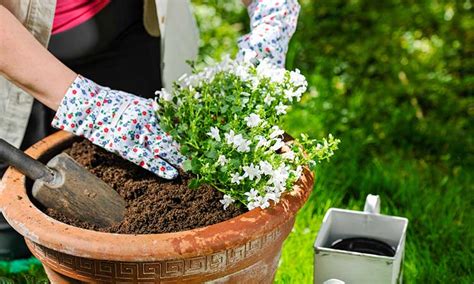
(438, 241)
(393, 80)
(27, 271)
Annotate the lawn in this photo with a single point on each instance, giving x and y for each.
(392, 80)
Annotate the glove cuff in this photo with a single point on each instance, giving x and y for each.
(79, 106)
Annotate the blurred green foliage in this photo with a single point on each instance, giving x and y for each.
(390, 74)
(399, 69)
(393, 80)
(25, 271)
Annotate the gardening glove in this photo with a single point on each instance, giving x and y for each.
(272, 23)
(121, 123)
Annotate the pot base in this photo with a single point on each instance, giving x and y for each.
(254, 262)
(56, 278)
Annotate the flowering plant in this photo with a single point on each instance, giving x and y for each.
(226, 119)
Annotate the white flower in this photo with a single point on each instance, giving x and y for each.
(197, 95)
(255, 82)
(214, 133)
(241, 144)
(278, 75)
(288, 94)
(253, 120)
(252, 205)
(281, 108)
(276, 131)
(279, 177)
(253, 198)
(265, 168)
(264, 202)
(262, 141)
(273, 193)
(279, 186)
(273, 196)
(226, 201)
(298, 172)
(251, 195)
(222, 160)
(268, 99)
(238, 141)
(268, 70)
(242, 72)
(278, 144)
(299, 92)
(235, 178)
(229, 137)
(264, 69)
(165, 95)
(251, 172)
(256, 202)
(290, 155)
(297, 79)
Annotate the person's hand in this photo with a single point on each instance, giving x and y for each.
(121, 123)
(272, 23)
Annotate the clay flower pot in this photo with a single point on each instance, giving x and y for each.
(243, 249)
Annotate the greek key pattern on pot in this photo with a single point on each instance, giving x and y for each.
(145, 271)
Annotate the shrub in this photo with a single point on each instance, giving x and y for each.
(226, 119)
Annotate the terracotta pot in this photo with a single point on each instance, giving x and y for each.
(245, 249)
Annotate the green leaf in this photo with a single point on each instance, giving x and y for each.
(184, 149)
(222, 176)
(194, 183)
(187, 165)
(195, 165)
(224, 108)
(212, 154)
(235, 163)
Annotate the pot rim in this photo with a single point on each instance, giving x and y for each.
(38, 227)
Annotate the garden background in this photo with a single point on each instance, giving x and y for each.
(392, 79)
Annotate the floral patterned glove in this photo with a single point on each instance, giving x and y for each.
(121, 123)
(272, 24)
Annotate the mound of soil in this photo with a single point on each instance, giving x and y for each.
(154, 205)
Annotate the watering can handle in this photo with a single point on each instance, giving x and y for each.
(372, 204)
(334, 281)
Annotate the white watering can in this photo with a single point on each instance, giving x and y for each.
(355, 247)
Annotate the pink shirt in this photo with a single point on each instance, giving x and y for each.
(71, 13)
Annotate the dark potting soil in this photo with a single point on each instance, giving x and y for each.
(154, 205)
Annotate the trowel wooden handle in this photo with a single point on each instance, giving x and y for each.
(24, 163)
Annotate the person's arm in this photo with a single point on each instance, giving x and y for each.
(272, 24)
(27, 64)
(114, 120)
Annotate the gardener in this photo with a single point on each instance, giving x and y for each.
(123, 56)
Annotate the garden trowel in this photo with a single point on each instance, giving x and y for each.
(67, 187)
